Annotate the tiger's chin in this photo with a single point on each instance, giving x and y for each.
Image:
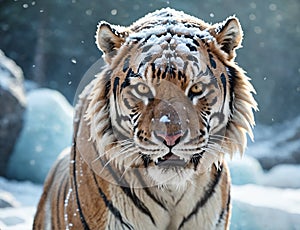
(177, 177)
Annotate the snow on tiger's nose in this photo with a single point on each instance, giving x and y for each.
(164, 119)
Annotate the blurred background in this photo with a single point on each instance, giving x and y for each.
(46, 47)
(53, 42)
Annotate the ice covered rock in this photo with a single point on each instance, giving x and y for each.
(282, 176)
(277, 144)
(260, 208)
(248, 217)
(7, 200)
(248, 170)
(47, 131)
(24, 197)
(12, 104)
(245, 170)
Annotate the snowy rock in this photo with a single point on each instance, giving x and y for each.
(4, 203)
(24, 196)
(261, 208)
(277, 144)
(47, 131)
(6, 199)
(248, 217)
(245, 170)
(282, 176)
(249, 171)
(12, 104)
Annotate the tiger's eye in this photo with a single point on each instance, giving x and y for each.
(196, 89)
(143, 89)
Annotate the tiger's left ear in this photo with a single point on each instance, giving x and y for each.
(109, 39)
(229, 35)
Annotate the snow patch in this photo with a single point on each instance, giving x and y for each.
(25, 195)
(287, 200)
(282, 176)
(164, 119)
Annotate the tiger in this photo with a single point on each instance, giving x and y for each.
(152, 129)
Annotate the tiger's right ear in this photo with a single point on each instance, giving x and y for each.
(109, 39)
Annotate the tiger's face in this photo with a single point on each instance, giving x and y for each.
(172, 103)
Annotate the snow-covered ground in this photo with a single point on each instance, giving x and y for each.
(24, 196)
(255, 207)
(261, 200)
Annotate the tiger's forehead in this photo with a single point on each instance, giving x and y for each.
(168, 45)
(170, 50)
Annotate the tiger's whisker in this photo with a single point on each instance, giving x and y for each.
(223, 138)
(115, 156)
(125, 147)
(129, 165)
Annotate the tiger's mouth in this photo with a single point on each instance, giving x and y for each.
(170, 159)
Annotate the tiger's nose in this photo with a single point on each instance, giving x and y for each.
(170, 140)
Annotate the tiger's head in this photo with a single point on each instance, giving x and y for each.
(171, 99)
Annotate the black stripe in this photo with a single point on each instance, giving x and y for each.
(119, 117)
(140, 66)
(64, 185)
(126, 64)
(116, 84)
(110, 206)
(127, 190)
(153, 71)
(147, 59)
(146, 48)
(196, 159)
(224, 211)
(82, 218)
(212, 61)
(146, 189)
(180, 199)
(158, 73)
(191, 47)
(232, 75)
(136, 118)
(196, 42)
(214, 101)
(209, 192)
(221, 216)
(192, 58)
(164, 74)
(146, 159)
(118, 134)
(119, 120)
(228, 201)
(137, 202)
(127, 104)
(107, 82)
(223, 80)
(127, 80)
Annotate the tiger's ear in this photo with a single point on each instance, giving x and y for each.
(229, 35)
(109, 39)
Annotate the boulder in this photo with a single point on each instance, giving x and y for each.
(47, 131)
(277, 144)
(12, 104)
